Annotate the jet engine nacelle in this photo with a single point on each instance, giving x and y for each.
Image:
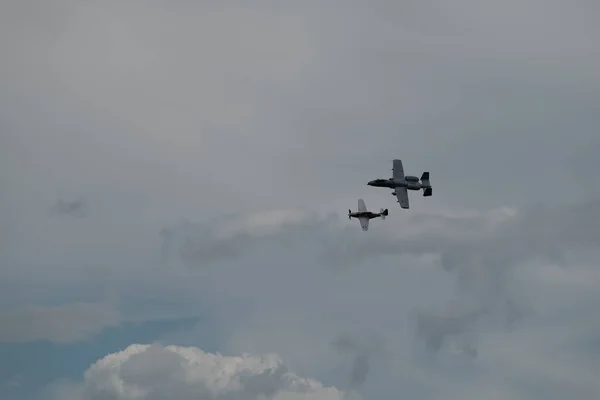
(411, 178)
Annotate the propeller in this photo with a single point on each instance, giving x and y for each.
(349, 212)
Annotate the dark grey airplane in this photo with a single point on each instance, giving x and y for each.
(364, 216)
(401, 183)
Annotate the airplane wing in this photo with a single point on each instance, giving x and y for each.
(402, 195)
(361, 206)
(398, 170)
(364, 223)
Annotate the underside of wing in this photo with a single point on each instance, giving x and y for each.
(398, 170)
(361, 206)
(402, 195)
(364, 223)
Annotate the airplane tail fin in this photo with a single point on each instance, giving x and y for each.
(384, 213)
(427, 191)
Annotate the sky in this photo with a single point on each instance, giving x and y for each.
(175, 178)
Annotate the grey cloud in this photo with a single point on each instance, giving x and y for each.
(320, 86)
(361, 354)
(200, 244)
(75, 208)
(166, 247)
(481, 252)
(467, 246)
(457, 326)
(474, 108)
(360, 369)
(583, 165)
(436, 328)
(61, 324)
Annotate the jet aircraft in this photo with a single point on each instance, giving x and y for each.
(401, 184)
(364, 216)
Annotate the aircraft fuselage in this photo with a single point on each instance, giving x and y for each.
(366, 214)
(409, 182)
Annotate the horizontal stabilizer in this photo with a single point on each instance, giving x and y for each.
(383, 213)
(426, 184)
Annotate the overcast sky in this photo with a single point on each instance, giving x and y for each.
(175, 178)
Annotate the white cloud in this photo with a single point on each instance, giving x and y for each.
(145, 372)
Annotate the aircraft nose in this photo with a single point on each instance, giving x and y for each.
(371, 183)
